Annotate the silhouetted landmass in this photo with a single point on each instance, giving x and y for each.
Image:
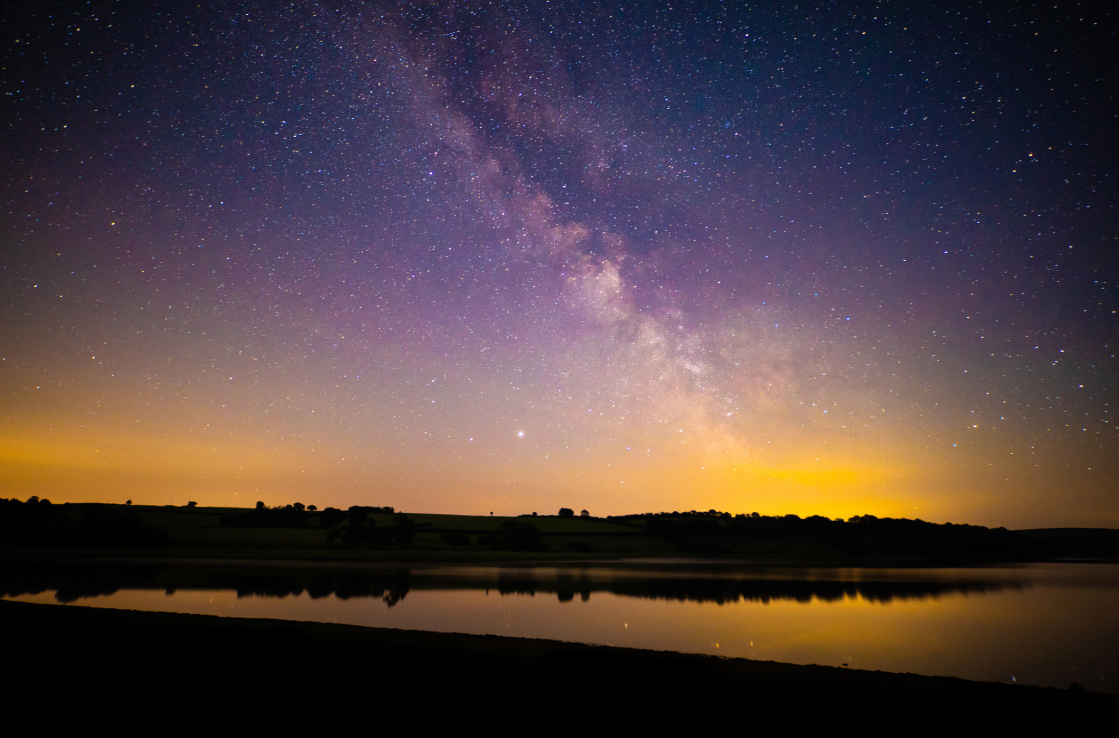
(39, 523)
(714, 534)
(370, 532)
(362, 529)
(519, 535)
(159, 664)
(456, 539)
(269, 517)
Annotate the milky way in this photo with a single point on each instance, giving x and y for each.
(474, 257)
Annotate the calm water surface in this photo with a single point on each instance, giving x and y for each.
(1048, 625)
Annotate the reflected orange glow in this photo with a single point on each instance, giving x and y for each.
(989, 635)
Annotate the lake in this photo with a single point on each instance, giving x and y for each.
(1041, 624)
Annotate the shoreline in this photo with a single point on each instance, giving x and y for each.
(97, 654)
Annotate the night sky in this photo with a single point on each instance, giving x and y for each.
(469, 257)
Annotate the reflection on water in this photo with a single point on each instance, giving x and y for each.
(1044, 624)
(684, 581)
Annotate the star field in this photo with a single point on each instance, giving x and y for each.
(472, 256)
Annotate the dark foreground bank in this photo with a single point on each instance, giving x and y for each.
(96, 657)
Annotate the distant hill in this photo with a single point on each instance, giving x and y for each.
(369, 533)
